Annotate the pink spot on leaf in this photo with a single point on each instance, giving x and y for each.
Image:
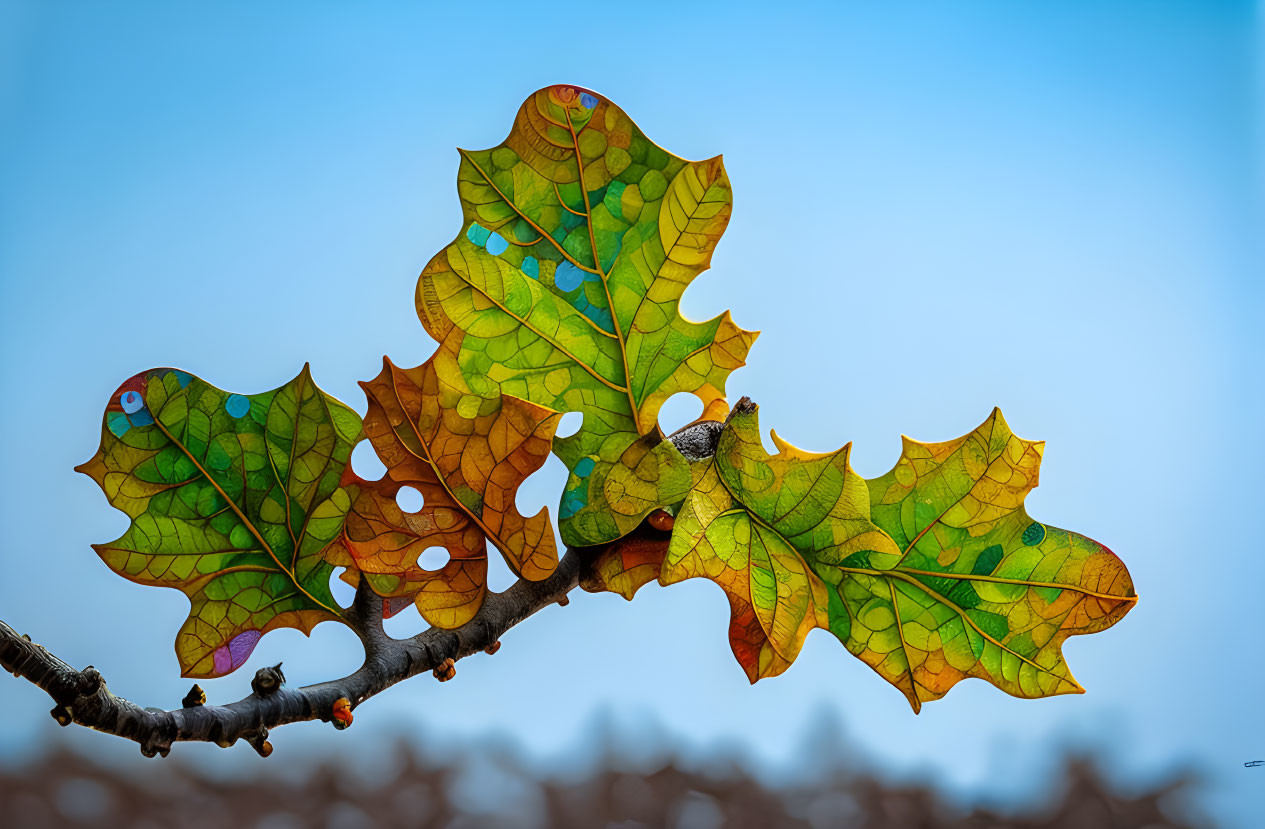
(232, 656)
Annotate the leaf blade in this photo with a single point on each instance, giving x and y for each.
(467, 456)
(579, 237)
(941, 577)
(212, 512)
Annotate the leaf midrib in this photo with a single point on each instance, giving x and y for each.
(241, 516)
(598, 270)
(442, 479)
(597, 263)
(898, 573)
(561, 348)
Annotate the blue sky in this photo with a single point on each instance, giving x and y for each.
(1054, 208)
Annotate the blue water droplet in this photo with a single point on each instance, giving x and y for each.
(141, 418)
(478, 233)
(567, 277)
(496, 244)
(131, 401)
(601, 317)
(572, 502)
(531, 267)
(587, 101)
(117, 423)
(237, 405)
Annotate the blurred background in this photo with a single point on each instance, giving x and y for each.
(1051, 207)
(486, 785)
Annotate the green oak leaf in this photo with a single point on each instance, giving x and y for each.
(774, 597)
(617, 483)
(232, 499)
(579, 237)
(930, 574)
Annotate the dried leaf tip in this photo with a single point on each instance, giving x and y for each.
(745, 405)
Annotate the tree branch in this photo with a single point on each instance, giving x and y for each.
(82, 697)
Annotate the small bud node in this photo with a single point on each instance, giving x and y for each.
(446, 670)
(88, 682)
(259, 742)
(341, 715)
(195, 697)
(268, 681)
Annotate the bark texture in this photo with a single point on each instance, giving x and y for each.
(82, 697)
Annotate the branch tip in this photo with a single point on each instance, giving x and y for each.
(83, 698)
(259, 742)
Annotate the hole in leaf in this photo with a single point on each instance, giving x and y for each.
(409, 499)
(500, 576)
(542, 489)
(569, 424)
(433, 558)
(342, 592)
(678, 410)
(366, 463)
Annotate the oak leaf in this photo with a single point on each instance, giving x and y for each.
(930, 574)
(232, 499)
(579, 237)
(467, 456)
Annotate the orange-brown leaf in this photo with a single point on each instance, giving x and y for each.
(627, 564)
(467, 456)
